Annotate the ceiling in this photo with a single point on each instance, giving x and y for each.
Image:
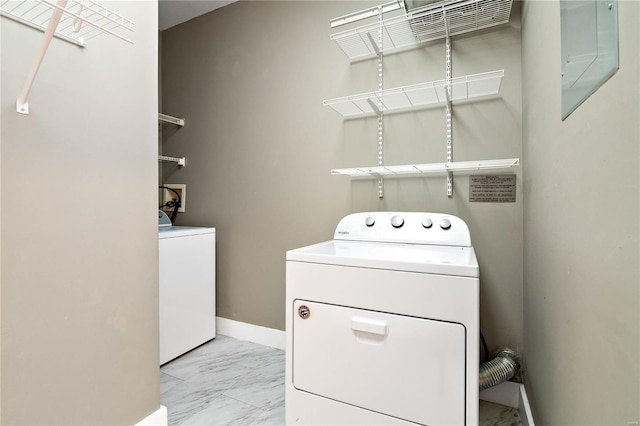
(174, 12)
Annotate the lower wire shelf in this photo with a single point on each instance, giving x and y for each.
(182, 161)
(413, 170)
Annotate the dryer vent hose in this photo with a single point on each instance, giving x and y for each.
(500, 369)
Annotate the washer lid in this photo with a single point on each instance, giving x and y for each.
(183, 231)
(423, 258)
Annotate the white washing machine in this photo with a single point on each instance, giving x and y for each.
(382, 323)
(187, 294)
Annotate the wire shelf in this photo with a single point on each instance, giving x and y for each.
(182, 161)
(170, 119)
(422, 25)
(418, 95)
(426, 169)
(82, 20)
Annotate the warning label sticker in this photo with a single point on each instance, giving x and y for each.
(492, 188)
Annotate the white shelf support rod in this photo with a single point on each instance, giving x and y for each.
(380, 101)
(22, 106)
(374, 107)
(374, 44)
(448, 111)
(77, 21)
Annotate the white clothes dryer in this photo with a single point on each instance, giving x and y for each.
(382, 323)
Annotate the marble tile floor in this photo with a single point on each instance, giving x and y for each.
(225, 382)
(233, 382)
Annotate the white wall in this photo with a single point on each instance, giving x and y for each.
(582, 197)
(79, 237)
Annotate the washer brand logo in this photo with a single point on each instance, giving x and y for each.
(343, 232)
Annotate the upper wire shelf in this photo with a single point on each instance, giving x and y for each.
(418, 95)
(82, 20)
(423, 25)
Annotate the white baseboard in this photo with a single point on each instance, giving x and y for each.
(252, 333)
(157, 418)
(525, 409)
(511, 395)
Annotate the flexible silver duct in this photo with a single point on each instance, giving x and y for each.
(500, 369)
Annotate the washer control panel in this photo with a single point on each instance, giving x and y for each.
(404, 227)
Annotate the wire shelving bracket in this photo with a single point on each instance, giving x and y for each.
(76, 21)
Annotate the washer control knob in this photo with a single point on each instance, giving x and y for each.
(427, 223)
(369, 221)
(397, 221)
(445, 224)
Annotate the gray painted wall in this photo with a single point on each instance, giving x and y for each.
(581, 293)
(79, 238)
(250, 79)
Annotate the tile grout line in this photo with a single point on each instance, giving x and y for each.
(173, 377)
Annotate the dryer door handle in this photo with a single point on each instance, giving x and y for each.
(370, 325)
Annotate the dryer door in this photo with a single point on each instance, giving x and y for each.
(406, 367)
